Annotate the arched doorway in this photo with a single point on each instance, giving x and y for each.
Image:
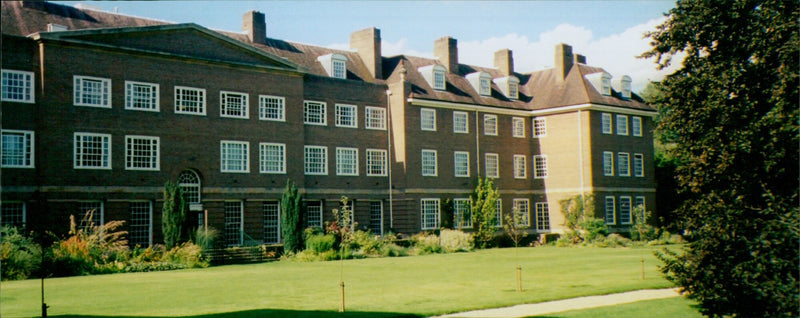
(189, 181)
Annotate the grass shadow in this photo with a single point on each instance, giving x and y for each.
(269, 313)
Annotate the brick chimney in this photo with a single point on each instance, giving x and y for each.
(367, 43)
(446, 50)
(564, 60)
(255, 24)
(580, 59)
(504, 61)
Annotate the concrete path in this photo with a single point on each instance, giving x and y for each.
(549, 307)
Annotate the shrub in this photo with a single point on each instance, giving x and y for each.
(592, 228)
(188, 254)
(455, 241)
(424, 243)
(173, 216)
(641, 230)
(89, 249)
(206, 238)
(20, 256)
(320, 243)
(291, 218)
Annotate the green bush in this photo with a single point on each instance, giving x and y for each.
(425, 243)
(206, 238)
(19, 255)
(612, 240)
(455, 241)
(592, 228)
(188, 254)
(320, 243)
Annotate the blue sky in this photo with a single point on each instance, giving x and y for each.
(609, 33)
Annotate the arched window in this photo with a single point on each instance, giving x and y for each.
(189, 182)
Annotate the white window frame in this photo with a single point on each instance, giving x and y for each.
(136, 227)
(513, 88)
(460, 206)
(79, 94)
(542, 216)
(80, 163)
(460, 127)
(638, 165)
(608, 163)
(540, 170)
(439, 73)
(141, 93)
(637, 202)
(338, 67)
(314, 213)
(461, 164)
(268, 159)
(374, 118)
(27, 154)
(610, 209)
(539, 128)
(25, 90)
(520, 167)
(376, 158)
(342, 116)
(427, 119)
(622, 125)
(320, 153)
(346, 161)
(524, 206)
(271, 211)
(269, 105)
(485, 84)
(426, 168)
(518, 127)
(428, 206)
(490, 125)
(319, 117)
(376, 223)
(636, 126)
(606, 124)
(181, 101)
(492, 165)
(226, 157)
(498, 206)
(625, 210)
(227, 108)
(623, 164)
(234, 223)
(153, 153)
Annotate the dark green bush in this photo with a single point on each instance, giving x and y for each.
(19, 255)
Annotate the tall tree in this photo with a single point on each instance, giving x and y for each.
(731, 111)
(291, 218)
(173, 216)
(484, 212)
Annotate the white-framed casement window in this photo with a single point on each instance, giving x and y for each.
(608, 163)
(623, 164)
(92, 151)
(427, 119)
(190, 100)
(606, 82)
(485, 84)
(498, 209)
(492, 165)
(314, 113)
(520, 167)
(490, 125)
(339, 67)
(346, 161)
(315, 160)
(518, 127)
(13, 214)
(610, 209)
(142, 153)
(97, 210)
(429, 163)
(439, 82)
(271, 108)
(462, 213)
(233, 105)
(140, 228)
(92, 91)
(17, 149)
(272, 158)
(234, 227)
(429, 212)
(376, 162)
(622, 125)
(542, 216)
(625, 210)
(638, 165)
(272, 222)
(539, 128)
(636, 126)
(346, 116)
(513, 88)
(189, 181)
(141, 96)
(374, 118)
(523, 206)
(461, 163)
(18, 86)
(540, 166)
(606, 123)
(234, 156)
(460, 122)
(376, 217)
(314, 213)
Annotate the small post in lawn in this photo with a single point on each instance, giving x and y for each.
(519, 278)
(341, 285)
(642, 267)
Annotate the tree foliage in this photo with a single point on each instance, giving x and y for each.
(173, 216)
(484, 212)
(291, 218)
(731, 112)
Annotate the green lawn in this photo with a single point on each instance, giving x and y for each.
(385, 287)
(659, 308)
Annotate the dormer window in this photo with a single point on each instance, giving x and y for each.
(625, 86)
(601, 82)
(334, 64)
(434, 75)
(481, 82)
(606, 90)
(509, 85)
(52, 27)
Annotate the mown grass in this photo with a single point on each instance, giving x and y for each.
(383, 287)
(659, 308)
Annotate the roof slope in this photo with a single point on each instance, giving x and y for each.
(550, 91)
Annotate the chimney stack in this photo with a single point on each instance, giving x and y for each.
(255, 24)
(446, 50)
(367, 43)
(564, 59)
(504, 61)
(580, 59)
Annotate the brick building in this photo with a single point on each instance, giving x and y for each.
(99, 110)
